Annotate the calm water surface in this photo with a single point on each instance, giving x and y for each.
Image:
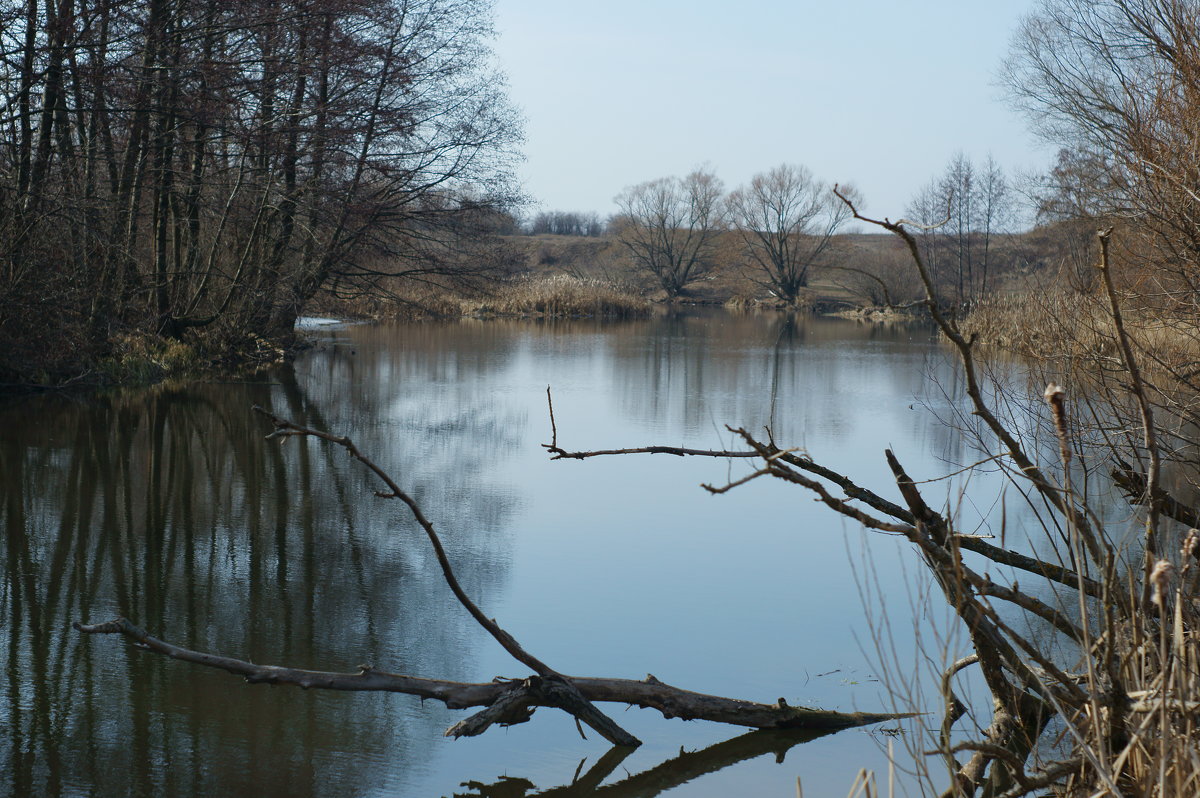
(169, 508)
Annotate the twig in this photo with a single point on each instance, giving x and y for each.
(579, 706)
(1138, 388)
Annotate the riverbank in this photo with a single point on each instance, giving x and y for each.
(543, 277)
(1071, 327)
(555, 276)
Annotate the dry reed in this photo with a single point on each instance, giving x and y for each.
(558, 296)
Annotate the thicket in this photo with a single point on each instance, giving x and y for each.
(199, 168)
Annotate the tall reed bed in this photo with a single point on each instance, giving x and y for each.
(557, 296)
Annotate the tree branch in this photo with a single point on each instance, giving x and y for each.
(515, 699)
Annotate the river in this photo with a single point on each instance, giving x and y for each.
(168, 507)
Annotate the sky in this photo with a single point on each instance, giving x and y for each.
(880, 94)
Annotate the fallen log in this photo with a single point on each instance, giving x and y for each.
(507, 702)
(504, 702)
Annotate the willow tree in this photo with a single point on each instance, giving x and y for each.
(670, 227)
(786, 219)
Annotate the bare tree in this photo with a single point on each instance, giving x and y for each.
(929, 210)
(994, 214)
(566, 223)
(181, 166)
(959, 215)
(1118, 84)
(786, 219)
(670, 226)
(878, 274)
(958, 187)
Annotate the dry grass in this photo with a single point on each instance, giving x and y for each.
(559, 296)
(1154, 752)
(1067, 326)
(1035, 323)
(543, 296)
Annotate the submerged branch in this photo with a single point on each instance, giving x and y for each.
(565, 695)
(285, 429)
(504, 702)
(517, 698)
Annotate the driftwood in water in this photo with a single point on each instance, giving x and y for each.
(512, 701)
(504, 702)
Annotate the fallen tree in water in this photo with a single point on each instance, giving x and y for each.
(504, 701)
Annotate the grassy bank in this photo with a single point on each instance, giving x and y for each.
(546, 295)
(559, 296)
(1063, 324)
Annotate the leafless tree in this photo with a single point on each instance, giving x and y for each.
(566, 223)
(994, 213)
(960, 215)
(1118, 85)
(670, 226)
(175, 166)
(958, 186)
(879, 274)
(786, 219)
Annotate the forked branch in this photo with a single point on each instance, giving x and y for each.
(1061, 501)
(504, 702)
(517, 697)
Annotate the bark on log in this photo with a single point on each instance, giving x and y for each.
(517, 699)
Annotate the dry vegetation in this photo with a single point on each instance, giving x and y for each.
(557, 296)
(1088, 650)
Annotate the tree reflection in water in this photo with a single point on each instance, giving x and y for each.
(654, 781)
(166, 507)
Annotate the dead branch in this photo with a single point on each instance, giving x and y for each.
(1065, 504)
(564, 696)
(509, 701)
(778, 458)
(285, 429)
(1138, 389)
(1031, 604)
(1023, 691)
(505, 702)
(1137, 490)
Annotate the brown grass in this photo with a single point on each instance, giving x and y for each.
(1068, 326)
(559, 296)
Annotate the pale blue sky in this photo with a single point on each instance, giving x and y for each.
(879, 94)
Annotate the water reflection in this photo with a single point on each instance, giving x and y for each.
(167, 507)
(718, 369)
(676, 771)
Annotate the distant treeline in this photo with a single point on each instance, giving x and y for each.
(566, 223)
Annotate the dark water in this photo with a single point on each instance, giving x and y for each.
(169, 508)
